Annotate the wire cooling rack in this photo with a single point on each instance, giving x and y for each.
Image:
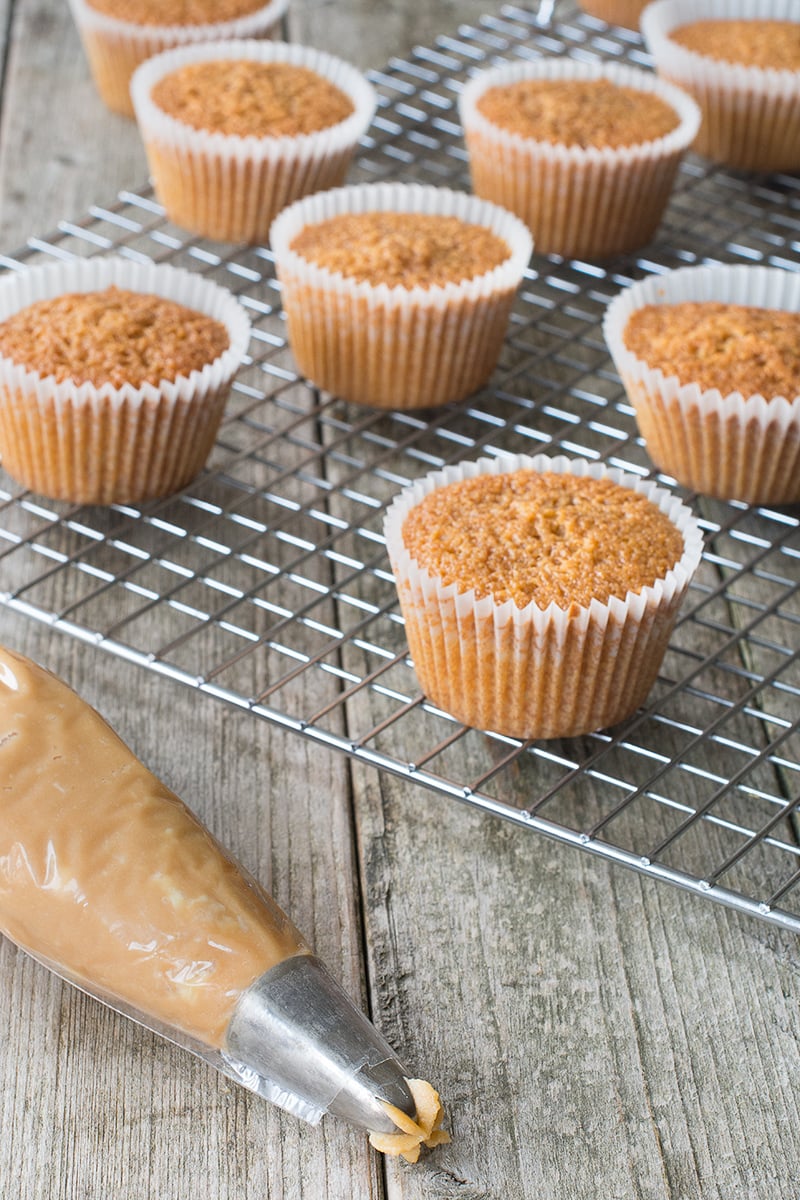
(265, 583)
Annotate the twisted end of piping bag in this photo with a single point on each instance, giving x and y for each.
(297, 1039)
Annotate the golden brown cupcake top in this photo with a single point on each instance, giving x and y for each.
(542, 537)
(112, 336)
(578, 112)
(245, 98)
(751, 43)
(401, 249)
(176, 12)
(736, 348)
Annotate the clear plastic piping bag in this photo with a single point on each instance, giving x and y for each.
(108, 879)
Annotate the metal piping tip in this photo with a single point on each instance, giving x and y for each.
(298, 1030)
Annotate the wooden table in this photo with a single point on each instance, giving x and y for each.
(595, 1037)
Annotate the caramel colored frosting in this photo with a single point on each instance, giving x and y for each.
(112, 336)
(176, 12)
(751, 43)
(245, 98)
(578, 112)
(110, 878)
(424, 1130)
(735, 348)
(542, 537)
(401, 249)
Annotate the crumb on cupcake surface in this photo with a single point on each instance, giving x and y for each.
(753, 43)
(578, 112)
(542, 537)
(246, 98)
(735, 348)
(401, 249)
(111, 336)
(176, 12)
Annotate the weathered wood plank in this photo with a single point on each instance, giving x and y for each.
(593, 1034)
(60, 148)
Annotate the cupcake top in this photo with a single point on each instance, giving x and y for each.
(176, 12)
(580, 112)
(245, 97)
(112, 336)
(731, 347)
(542, 537)
(401, 249)
(615, 12)
(753, 43)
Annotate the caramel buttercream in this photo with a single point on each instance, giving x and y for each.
(412, 1134)
(107, 875)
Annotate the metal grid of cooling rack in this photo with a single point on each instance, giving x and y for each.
(266, 584)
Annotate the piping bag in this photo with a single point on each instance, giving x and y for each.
(108, 879)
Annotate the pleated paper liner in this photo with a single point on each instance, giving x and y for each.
(734, 447)
(751, 115)
(532, 672)
(107, 444)
(578, 202)
(116, 47)
(230, 188)
(397, 347)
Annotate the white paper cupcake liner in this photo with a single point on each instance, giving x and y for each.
(115, 48)
(532, 672)
(231, 188)
(751, 116)
(110, 444)
(397, 347)
(578, 202)
(734, 447)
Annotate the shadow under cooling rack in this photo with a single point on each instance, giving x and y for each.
(266, 583)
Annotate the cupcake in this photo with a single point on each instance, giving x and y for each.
(235, 131)
(117, 35)
(398, 295)
(710, 358)
(539, 594)
(615, 12)
(740, 59)
(585, 153)
(113, 377)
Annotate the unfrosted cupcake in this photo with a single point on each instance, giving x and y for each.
(615, 12)
(585, 153)
(710, 358)
(117, 35)
(398, 295)
(539, 594)
(740, 59)
(235, 131)
(113, 377)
